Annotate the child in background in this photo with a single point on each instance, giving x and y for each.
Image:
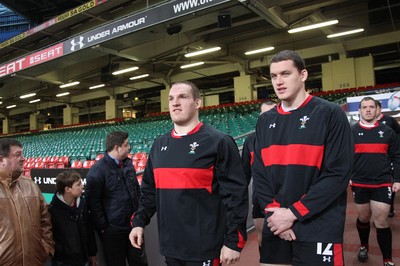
(75, 243)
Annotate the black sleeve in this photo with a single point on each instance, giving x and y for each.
(263, 188)
(394, 155)
(147, 202)
(234, 193)
(91, 239)
(395, 126)
(247, 154)
(94, 194)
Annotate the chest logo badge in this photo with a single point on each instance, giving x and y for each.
(381, 134)
(193, 147)
(303, 121)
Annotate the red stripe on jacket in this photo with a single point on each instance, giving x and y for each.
(338, 254)
(293, 154)
(371, 148)
(251, 157)
(184, 178)
(371, 185)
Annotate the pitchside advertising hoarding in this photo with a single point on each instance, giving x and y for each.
(141, 20)
(46, 179)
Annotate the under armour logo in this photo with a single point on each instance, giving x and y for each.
(326, 259)
(37, 180)
(384, 122)
(77, 43)
(381, 134)
(272, 125)
(164, 148)
(361, 134)
(207, 263)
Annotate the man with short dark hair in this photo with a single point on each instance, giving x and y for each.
(195, 181)
(301, 170)
(25, 225)
(113, 193)
(376, 152)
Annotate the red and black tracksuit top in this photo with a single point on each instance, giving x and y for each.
(303, 161)
(197, 186)
(377, 151)
(390, 122)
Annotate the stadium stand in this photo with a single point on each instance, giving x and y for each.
(80, 146)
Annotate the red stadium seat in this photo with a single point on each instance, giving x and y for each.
(54, 159)
(138, 156)
(88, 163)
(77, 164)
(61, 165)
(39, 164)
(63, 161)
(142, 163)
(99, 156)
(50, 165)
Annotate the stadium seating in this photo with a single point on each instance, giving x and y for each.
(77, 164)
(72, 146)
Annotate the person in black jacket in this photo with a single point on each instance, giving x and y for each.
(194, 180)
(75, 243)
(113, 196)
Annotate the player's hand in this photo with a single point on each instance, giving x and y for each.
(281, 220)
(288, 235)
(396, 187)
(136, 237)
(229, 256)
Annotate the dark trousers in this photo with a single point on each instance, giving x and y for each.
(118, 248)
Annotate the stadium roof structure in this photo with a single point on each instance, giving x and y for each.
(87, 40)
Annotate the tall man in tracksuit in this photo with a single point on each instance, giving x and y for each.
(301, 171)
(194, 180)
(376, 152)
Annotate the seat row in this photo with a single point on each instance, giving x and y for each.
(139, 160)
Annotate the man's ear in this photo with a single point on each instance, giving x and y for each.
(198, 103)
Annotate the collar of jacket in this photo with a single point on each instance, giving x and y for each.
(6, 177)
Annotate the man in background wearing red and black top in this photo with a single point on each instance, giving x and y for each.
(194, 179)
(393, 124)
(247, 160)
(301, 170)
(376, 151)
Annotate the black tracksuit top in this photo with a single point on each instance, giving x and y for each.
(302, 161)
(197, 186)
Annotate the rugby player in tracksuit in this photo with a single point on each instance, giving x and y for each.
(301, 170)
(195, 182)
(376, 153)
(393, 124)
